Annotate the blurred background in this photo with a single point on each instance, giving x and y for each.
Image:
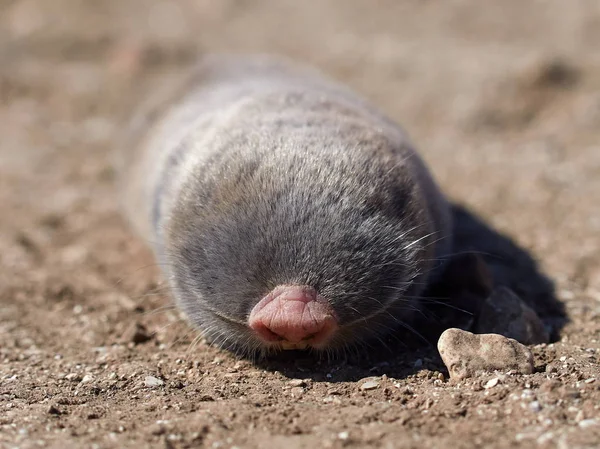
(502, 98)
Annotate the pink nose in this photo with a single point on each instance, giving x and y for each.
(293, 314)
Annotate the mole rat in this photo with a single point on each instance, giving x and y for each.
(286, 212)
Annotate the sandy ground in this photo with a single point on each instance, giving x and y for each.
(503, 98)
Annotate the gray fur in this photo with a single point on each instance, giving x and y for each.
(254, 173)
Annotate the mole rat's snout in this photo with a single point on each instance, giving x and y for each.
(293, 316)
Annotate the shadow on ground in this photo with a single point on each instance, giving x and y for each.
(482, 259)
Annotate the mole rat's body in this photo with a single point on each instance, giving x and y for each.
(286, 212)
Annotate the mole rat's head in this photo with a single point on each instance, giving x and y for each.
(288, 249)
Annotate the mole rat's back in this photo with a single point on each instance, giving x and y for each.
(288, 212)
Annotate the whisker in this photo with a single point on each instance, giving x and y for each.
(461, 253)
(122, 278)
(413, 330)
(414, 242)
(450, 306)
(162, 309)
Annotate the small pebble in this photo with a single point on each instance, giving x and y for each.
(297, 391)
(535, 407)
(87, 379)
(297, 383)
(153, 382)
(588, 423)
(466, 354)
(177, 384)
(369, 385)
(343, 435)
(73, 377)
(491, 383)
(137, 334)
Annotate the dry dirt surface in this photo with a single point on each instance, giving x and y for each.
(502, 98)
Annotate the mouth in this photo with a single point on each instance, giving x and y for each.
(289, 346)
